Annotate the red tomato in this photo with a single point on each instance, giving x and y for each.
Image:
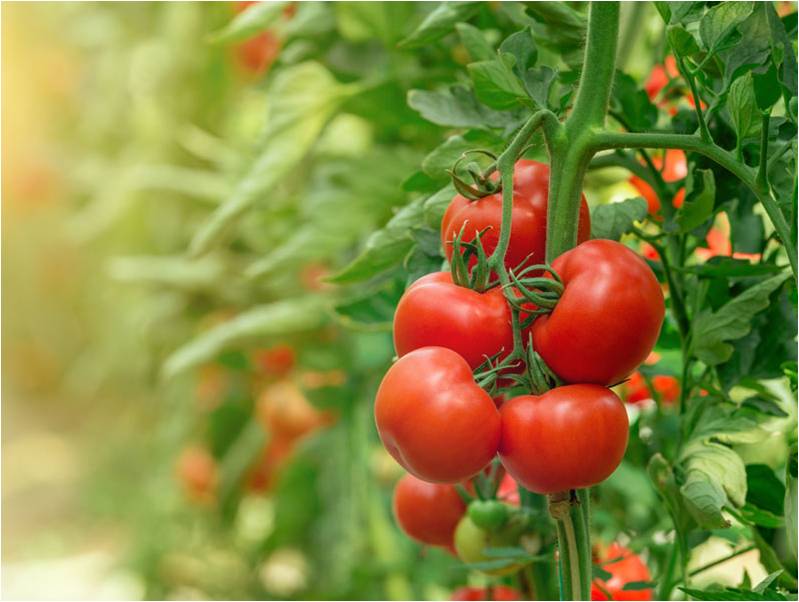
(529, 222)
(263, 475)
(660, 76)
(434, 419)
(608, 318)
(258, 53)
(625, 567)
(284, 411)
(278, 360)
(496, 592)
(675, 168)
(436, 312)
(427, 512)
(196, 470)
(567, 438)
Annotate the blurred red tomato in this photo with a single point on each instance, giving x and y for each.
(718, 244)
(277, 360)
(625, 567)
(258, 53)
(667, 387)
(284, 411)
(197, 472)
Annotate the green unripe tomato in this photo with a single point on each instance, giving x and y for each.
(488, 514)
(471, 542)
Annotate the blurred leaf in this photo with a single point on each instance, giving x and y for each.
(733, 594)
(729, 267)
(303, 97)
(714, 474)
(476, 45)
(636, 586)
(365, 21)
(611, 220)
(764, 406)
(762, 518)
(239, 458)
(764, 489)
(439, 23)
(372, 310)
(168, 271)
(521, 47)
(712, 329)
(791, 501)
(255, 19)
(279, 318)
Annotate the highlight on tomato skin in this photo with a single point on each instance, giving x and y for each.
(624, 566)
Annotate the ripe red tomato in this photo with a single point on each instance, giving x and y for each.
(284, 411)
(675, 168)
(427, 512)
(567, 438)
(529, 222)
(607, 319)
(636, 390)
(660, 75)
(277, 360)
(434, 419)
(436, 312)
(496, 592)
(258, 53)
(625, 566)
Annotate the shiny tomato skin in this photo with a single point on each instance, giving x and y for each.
(608, 318)
(497, 592)
(427, 512)
(434, 419)
(529, 220)
(569, 437)
(435, 312)
(628, 568)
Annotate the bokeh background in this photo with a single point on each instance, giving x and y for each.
(200, 426)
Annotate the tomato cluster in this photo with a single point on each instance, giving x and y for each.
(434, 417)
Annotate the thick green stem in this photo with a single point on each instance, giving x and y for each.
(571, 518)
(725, 159)
(596, 79)
(762, 171)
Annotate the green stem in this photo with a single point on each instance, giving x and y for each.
(704, 132)
(570, 511)
(667, 579)
(607, 140)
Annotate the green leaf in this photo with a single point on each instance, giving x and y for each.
(733, 594)
(388, 247)
(752, 50)
(538, 83)
(767, 581)
(780, 40)
(443, 157)
(711, 330)
(612, 220)
(365, 21)
(764, 489)
(681, 41)
(255, 19)
(699, 200)
(728, 267)
(762, 518)
(439, 23)
(275, 319)
(721, 22)
(179, 272)
(743, 107)
(633, 102)
(455, 107)
(521, 47)
(436, 205)
(764, 406)
(714, 476)
(496, 84)
(238, 459)
(476, 45)
(790, 503)
(304, 97)
(373, 310)
(767, 87)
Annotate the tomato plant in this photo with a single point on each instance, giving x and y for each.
(324, 259)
